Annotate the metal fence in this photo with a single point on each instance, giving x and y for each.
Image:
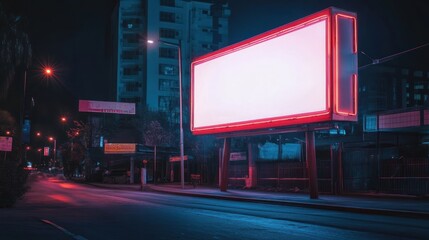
(387, 170)
(393, 170)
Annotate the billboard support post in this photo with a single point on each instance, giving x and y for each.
(311, 163)
(225, 161)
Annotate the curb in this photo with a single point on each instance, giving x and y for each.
(373, 211)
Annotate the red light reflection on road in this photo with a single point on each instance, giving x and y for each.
(61, 198)
(68, 186)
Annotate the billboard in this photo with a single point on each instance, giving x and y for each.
(302, 72)
(107, 107)
(119, 148)
(6, 144)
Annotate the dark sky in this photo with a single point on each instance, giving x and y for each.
(385, 27)
(71, 35)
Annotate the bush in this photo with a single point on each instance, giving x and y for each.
(13, 180)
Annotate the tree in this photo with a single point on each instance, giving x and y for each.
(7, 122)
(15, 50)
(76, 150)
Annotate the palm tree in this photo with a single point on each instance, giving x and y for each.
(15, 50)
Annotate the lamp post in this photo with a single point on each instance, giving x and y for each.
(39, 150)
(55, 148)
(47, 72)
(179, 56)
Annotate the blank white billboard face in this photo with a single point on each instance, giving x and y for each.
(277, 76)
(303, 72)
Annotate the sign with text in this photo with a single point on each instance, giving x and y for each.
(119, 148)
(299, 73)
(6, 144)
(237, 156)
(107, 107)
(178, 158)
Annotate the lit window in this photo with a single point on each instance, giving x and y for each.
(168, 70)
(168, 85)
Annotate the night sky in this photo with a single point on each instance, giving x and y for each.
(71, 35)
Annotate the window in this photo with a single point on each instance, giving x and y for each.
(130, 54)
(167, 17)
(205, 11)
(167, 33)
(168, 52)
(169, 3)
(131, 23)
(208, 46)
(131, 99)
(167, 104)
(131, 38)
(168, 85)
(131, 70)
(417, 97)
(419, 86)
(168, 70)
(132, 86)
(418, 74)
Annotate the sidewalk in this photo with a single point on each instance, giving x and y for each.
(403, 206)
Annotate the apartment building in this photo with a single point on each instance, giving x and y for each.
(148, 74)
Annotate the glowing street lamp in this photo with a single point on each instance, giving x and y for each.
(182, 158)
(48, 71)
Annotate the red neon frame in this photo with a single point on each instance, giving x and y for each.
(334, 63)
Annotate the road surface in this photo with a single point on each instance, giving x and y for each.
(58, 209)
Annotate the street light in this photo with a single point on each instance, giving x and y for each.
(55, 148)
(39, 150)
(47, 72)
(182, 158)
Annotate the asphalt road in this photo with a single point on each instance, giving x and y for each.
(57, 209)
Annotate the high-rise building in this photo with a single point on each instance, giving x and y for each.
(148, 74)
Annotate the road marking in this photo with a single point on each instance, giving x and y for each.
(74, 236)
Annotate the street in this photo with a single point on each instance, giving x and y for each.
(57, 209)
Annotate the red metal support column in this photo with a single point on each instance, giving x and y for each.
(225, 161)
(311, 164)
(252, 166)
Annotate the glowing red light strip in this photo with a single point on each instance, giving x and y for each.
(328, 64)
(354, 29)
(264, 123)
(355, 97)
(354, 77)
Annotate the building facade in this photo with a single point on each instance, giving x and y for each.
(148, 74)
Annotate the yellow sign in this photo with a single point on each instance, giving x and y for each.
(119, 148)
